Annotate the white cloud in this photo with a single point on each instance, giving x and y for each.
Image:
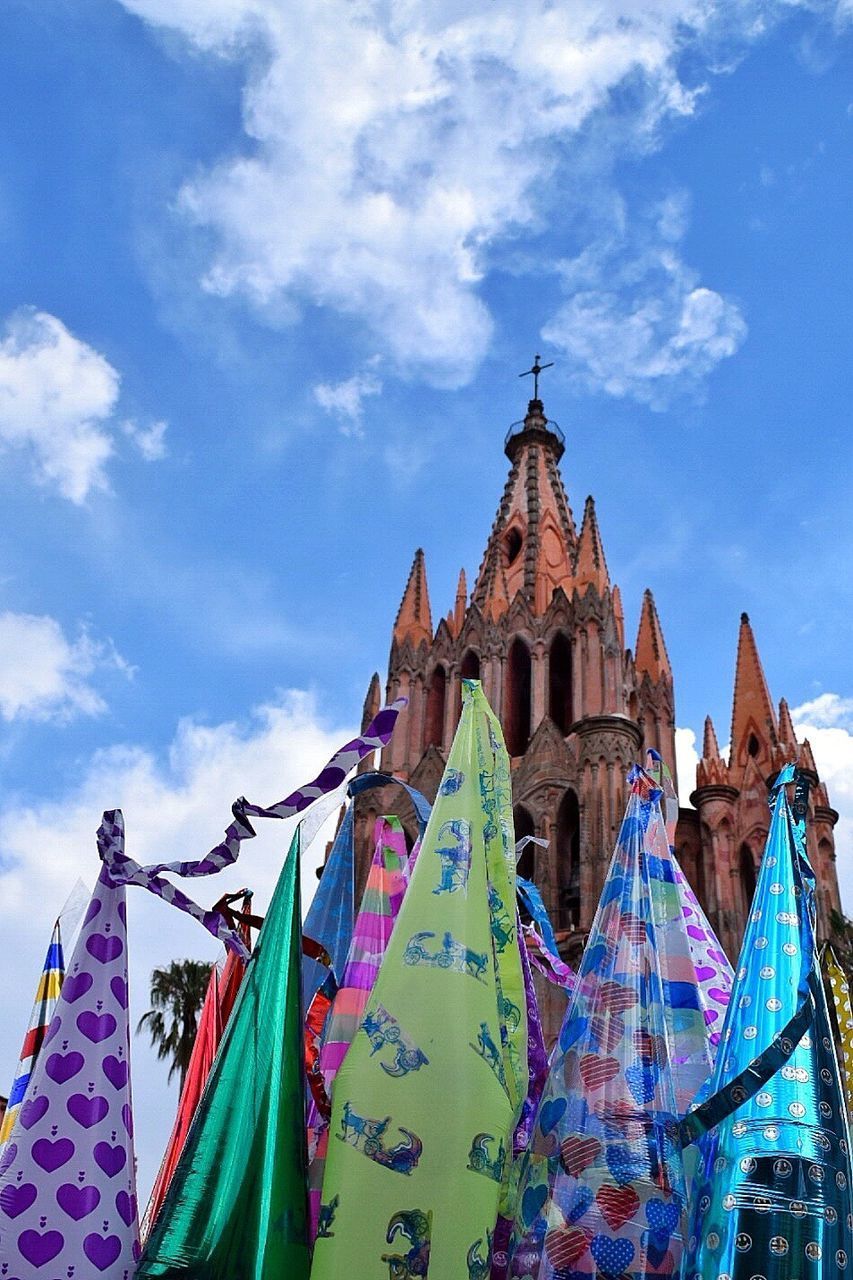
(637, 322)
(57, 400)
(150, 440)
(826, 711)
(393, 153)
(46, 676)
(345, 399)
(827, 722)
(176, 806)
(686, 760)
(56, 394)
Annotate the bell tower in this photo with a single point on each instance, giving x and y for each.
(544, 630)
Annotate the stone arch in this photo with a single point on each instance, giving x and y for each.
(560, 682)
(568, 830)
(517, 697)
(469, 668)
(436, 698)
(513, 542)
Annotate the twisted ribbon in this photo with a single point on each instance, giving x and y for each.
(122, 869)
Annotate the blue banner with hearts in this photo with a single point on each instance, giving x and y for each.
(603, 1192)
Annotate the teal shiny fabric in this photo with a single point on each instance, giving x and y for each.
(236, 1208)
(773, 1194)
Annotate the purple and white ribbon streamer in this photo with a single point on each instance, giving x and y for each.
(124, 870)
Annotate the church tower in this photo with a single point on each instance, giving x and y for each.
(543, 629)
(720, 842)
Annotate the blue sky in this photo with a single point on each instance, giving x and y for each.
(265, 287)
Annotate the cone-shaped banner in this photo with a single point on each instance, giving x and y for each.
(425, 1101)
(47, 994)
(537, 1061)
(383, 894)
(67, 1187)
(604, 1190)
(329, 920)
(773, 1195)
(841, 1016)
(713, 972)
(216, 1010)
(236, 1205)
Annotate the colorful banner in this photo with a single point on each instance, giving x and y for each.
(47, 994)
(537, 1074)
(426, 1099)
(603, 1191)
(330, 917)
(840, 1007)
(383, 894)
(236, 1205)
(218, 1003)
(773, 1196)
(67, 1186)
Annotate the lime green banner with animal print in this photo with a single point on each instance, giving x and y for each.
(425, 1101)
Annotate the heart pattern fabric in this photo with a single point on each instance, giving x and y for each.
(68, 1194)
(631, 1055)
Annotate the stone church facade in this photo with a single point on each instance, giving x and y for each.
(544, 630)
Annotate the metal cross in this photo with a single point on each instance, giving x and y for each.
(536, 370)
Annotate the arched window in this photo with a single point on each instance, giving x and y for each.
(470, 668)
(560, 683)
(517, 699)
(513, 545)
(523, 823)
(435, 707)
(753, 746)
(568, 861)
(747, 874)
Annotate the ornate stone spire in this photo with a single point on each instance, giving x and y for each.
(372, 704)
(461, 603)
(590, 564)
(787, 736)
(533, 537)
(414, 619)
(710, 749)
(754, 728)
(650, 654)
(619, 616)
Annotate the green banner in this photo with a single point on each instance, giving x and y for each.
(236, 1207)
(425, 1101)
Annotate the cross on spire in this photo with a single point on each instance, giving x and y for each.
(536, 370)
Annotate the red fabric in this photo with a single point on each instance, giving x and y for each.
(218, 1003)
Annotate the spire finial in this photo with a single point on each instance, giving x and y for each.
(536, 369)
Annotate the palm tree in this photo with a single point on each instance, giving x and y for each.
(177, 995)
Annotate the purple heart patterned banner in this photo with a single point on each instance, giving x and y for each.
(123, 869)
(67, 1185)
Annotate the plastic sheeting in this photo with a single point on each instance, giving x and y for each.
(383, 894)
(774, 1195)
(330, 917)
(604, 1191)
(417, 1156)
(47, 994)
(236, 1206)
